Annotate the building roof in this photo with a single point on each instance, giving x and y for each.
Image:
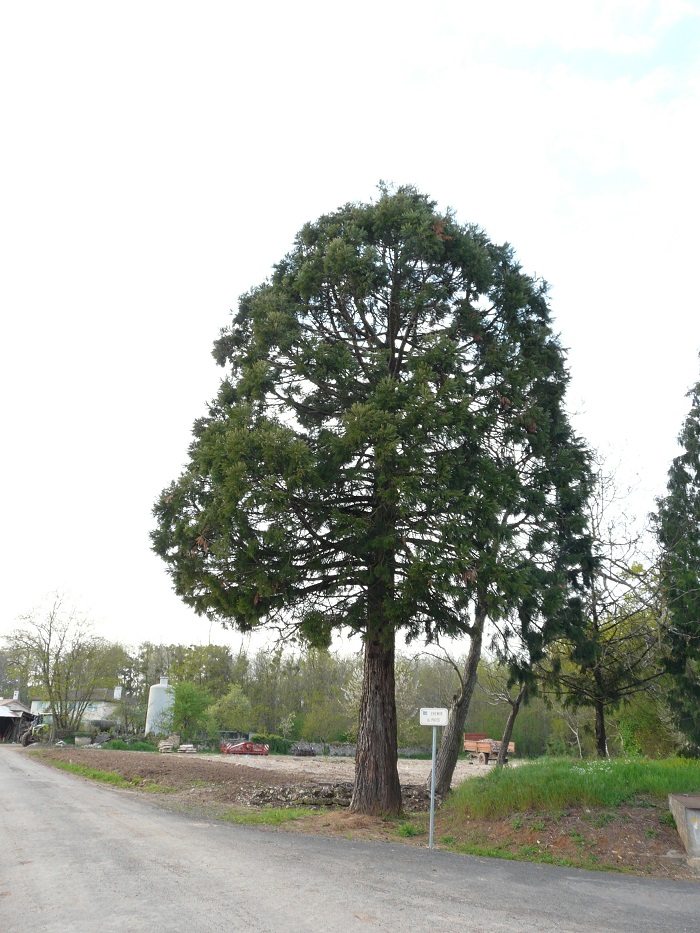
(14, 706)
(98, 695)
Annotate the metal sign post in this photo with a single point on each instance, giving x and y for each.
(433, 717)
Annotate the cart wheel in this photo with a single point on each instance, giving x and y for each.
(483, 758)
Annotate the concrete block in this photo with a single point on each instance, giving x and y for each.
(686, 812)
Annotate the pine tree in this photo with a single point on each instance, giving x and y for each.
(678, 529)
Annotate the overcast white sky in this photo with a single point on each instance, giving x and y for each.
(158, 158)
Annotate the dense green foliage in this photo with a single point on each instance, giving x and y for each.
(678, 526)
(119, 745)
(394, 405)
(278, 744)
(190, 711)
(232, 712)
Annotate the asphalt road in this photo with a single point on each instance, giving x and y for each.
(81, 858)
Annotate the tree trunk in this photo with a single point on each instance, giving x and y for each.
(377, 788)
(451, 744)
(508, 731)
(601, 739)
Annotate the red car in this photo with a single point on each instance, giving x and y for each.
(244, 748)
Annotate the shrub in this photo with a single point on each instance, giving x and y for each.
(278, 744)
(119, 745)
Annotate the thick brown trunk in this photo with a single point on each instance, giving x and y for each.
(377, 789)
(508, 731)
(451, 744)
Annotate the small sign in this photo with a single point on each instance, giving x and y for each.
(433, 717)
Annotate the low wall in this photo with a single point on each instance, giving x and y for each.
(686, 812)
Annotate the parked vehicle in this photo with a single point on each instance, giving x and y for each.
(483, 748)
(243, 748)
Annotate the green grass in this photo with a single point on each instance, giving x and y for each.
(529, 853)
(602, 819)
(552, 785)
(265, 817)
(578, 838)
(111, 777)
(407, 830)
(107, 777)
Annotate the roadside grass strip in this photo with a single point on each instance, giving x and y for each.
(107, 777)
(265, 817)
(111, 777)
(553, 785)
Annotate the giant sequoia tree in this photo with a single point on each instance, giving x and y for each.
(678, 527)
(393, 391)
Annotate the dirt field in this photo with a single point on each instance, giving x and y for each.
(635, 839)
(252, 780)
(411, 771)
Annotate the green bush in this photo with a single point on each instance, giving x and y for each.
(119, 745)
(278, 744)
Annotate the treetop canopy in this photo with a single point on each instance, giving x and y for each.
(390, 440)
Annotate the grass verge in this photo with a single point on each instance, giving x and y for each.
(555, 785)
(264, 817)
(110, 777)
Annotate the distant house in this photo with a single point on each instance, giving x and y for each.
(99, 712)
(14, 716)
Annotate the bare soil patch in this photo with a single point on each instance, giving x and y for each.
(634, 839)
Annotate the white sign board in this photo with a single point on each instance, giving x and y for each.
(433, 717)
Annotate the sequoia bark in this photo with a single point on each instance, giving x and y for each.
(377, 788)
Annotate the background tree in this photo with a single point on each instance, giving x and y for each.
(678, 530)
(64, 661)
(528, 581)
(15, 671)
(346, 476)
(232, 712)
(322, 676)
(273, 688)
(489, 710)
(189, 711)
(616, 652)
(210, 667)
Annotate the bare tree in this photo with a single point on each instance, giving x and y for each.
(64, 660)
(618, 652)
(497, 689)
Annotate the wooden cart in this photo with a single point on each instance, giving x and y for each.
(483, 748)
